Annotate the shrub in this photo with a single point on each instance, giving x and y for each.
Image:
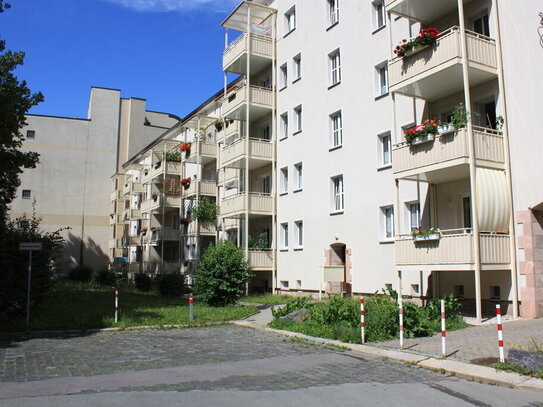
(80, 273)
(381, 318)
(299, 303)
(222, 274)
(105, 277)
(142, 282)
(205, 210)
(171, 285)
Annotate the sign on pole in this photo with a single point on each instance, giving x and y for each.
(30, 247)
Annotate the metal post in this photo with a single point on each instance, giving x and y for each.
(362, 321)
(116, 305)
(500, 332)
(28, 290)
(443, 332)
(191, 304)
(400, 307)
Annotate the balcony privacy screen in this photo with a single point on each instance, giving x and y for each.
(493, 208)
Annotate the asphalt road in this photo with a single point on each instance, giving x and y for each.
(223, 366)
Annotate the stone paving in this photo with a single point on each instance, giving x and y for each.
(476, 341)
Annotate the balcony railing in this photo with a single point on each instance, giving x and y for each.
(168, 201)
(454, 247)
(201, 149)
(258, 150)
(203, 229)
(261, 46)
(116, 195)
(132, 187)
(258, 204)
(235, 100)
(447, 150)
(164, 234)
(228, 175)
(170, 167)
(432, 60)
(207, 188)
(157, 267)
(261, 259)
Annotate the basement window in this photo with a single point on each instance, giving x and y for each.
(495, 292)
(459, 292)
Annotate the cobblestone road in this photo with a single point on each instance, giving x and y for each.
(52, 371)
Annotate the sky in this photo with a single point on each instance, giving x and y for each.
(166, 51)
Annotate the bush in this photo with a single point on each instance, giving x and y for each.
(299, 303)
(171, 285)
(205, 210)
(105, 277)
(142, 282)
(222, 274)
(80, 273)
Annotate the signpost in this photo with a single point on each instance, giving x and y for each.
(30, 247)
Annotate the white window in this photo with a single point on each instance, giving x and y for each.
(284, 180)
(297, 67)
(481, 25)
(335, 67)
(284, 125)
(24, 224)
(382, 79)
(30, 134)
(284, 284)
(387, 222)
(290, 20)
(336, 131)
(26, 194)
(385, 143)
(379, 14)
(299, 231)
(298, 119)
(284, 76)
(338, 200)
(298, 173)
(414, 215)
(284, 235)
(333, 11)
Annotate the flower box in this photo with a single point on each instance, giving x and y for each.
(427, 37)
(423, 139)
(445, 128)
(431, 236)
(415, 49)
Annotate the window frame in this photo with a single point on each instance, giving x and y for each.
(26, 194)
(385, 141)
(297, 111)
(386, 235)
(284, 235)
(337, 194)
(377, 15)
(299, 177)
(283, 184)
(334, 69)
(298, 244)
(283, 69)
(290, 20)
(333, 12)
(410, 206)
(297, 67)
(381, 89)
(284, 125)
(336, 133)
(30, 134)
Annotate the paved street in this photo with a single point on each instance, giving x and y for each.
(224, 366)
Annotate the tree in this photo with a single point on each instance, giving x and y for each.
(222, 274)
(15, 101)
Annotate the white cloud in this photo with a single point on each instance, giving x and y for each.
(176, 5)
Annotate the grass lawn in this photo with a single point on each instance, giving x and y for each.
(269, 299)
(72, 305)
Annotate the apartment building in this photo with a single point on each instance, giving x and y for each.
(70, 186)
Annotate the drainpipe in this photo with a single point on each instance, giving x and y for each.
(247, 135)
(274, 162)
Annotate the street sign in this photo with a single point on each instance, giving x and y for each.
(30, 246)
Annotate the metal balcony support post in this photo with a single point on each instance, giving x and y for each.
(247, 135)
(472, 168)
(225, 73)
(505, 130)
(162, 199)
(199, 175)
(274, 162)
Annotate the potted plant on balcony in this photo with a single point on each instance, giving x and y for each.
(445, 128)
(157, 165)
(174, 156)
(143, 231)
(155, 197)
(205, 210)
(185, 221)
(146, 171)
(424, 233)
(185, 182)
(460, 117)
(185, 148)
(426, 37)
(422, 133)
(219, 124)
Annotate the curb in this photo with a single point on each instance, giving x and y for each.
(483, 374)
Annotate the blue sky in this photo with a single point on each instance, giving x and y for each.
(166, 51)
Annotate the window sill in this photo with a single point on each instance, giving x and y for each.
(334, 213)
(382, 96)
(296, 132)
(335, 147)
(387, 241)
(297, 79)
(283, 88)
(283, 193)
(333, 85)
(384, 167)
(285, 249)
(378, 29)
(298, 190)
(287, 34)
(298, 249)
(332, 26)
(283, 138)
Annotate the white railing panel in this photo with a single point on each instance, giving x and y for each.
(261, 149)
(481, 49)
(233, 151)
(261, 203)
(449, 249)
(261, 259)
(495, 249)
(261, 45)
(262, 96)
(234, 50)
(489, 145)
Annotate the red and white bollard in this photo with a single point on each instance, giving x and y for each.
(500, 332)
(116, 305)
(362, 321)
(191, 304)
(443, 331)
(400, 304)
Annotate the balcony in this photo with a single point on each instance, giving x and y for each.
(261, 259)
(163, 234)
(235, 103)
(116, 219)
(132, 188)
(446, 158)
(116, 195)
(260, 153)
(170, 168)
(202, 188)
(202, 153)
(115, 244)
(228, 177)
(200, 229)
(436, 71)
(454, 251)
(157, 267)
(230, 130)
(259, 204)
(131, 241)
(235, 55)
(168, 201)
(423, 10)
(132, 214)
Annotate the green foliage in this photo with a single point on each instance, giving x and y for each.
(222, 274)
(172, 285)
(105, 277)
(499, 123)
(14, 264)
(452, 307)
(259, 243)
(80, 273)
(460, 116)
(143, 282)
(381, 318)
(270, 299)
(205, 210)
(172, 156)
(297, 304)
(510, 367)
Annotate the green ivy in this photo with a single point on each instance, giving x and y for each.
(205, 210)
